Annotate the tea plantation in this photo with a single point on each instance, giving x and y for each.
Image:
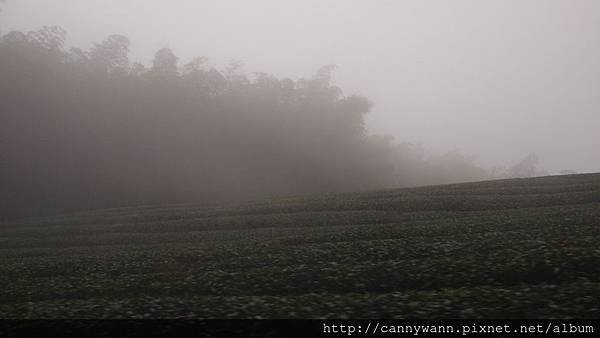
(521, 248)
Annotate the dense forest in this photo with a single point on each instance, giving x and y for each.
(86, 129)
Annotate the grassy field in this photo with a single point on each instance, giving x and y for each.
(523, 248)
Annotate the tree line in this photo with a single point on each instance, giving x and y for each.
(85, 129)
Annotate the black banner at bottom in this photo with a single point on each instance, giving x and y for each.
(295, 328)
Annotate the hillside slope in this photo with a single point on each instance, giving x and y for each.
(510, 248)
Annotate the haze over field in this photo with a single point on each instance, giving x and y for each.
(325, 159)
(497, 79)
(119, 103)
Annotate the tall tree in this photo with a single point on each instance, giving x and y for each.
(110, 56)
(164, 64)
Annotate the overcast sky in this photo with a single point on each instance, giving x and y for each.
(499, 79)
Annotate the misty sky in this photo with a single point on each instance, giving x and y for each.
(498, 79)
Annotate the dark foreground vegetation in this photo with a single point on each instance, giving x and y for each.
(523, 248)
(89, 129)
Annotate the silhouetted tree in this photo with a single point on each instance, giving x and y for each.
(526, 167)
(49, 38)
(165, 63)
(110, 56)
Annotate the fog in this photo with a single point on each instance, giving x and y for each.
(494, 81)
(497, 79)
